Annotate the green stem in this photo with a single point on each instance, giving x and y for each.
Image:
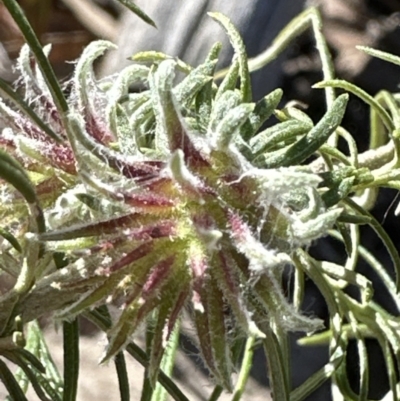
(70, 345)
(276, 366)
(309, 18)
(314, 381)
(166, 382)
(245, 369)
(216, 393)
(325, 337)
(123, 381)
(387, 241)
(71, 360)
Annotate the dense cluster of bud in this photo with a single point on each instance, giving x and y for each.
(170, 198)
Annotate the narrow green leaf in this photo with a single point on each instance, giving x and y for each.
(11, 94)
(34, 376)
(299, 288)
(225, 103)
(31, 359)
(240, 50)
(36, 48)
(318, 135)
(346, 237)
(341, 273)
(367, 98)
(391, 58)
(310, 143)
(309, 18)
(383, 235)
(353, 219)
(203, 331)
(157, 346)
(314, 381)
(13, 172)
(205, 97)
(36, 344)
(171, 133)
(193, 83)
(130, 5)
(218, 335)
(263, 110)
(89, 299)
(334, 177)
(276, 367)
(127, 77)
(138, 119)
(90, 229)
(279, 134)
(155, 57)
(231, 123)
(334, 195)
(167, 363)
(11, 239)
(101, 318)
(230, 80)
(270, 295)
(85, 66)
(167, 383)
(132, 316)
(226, 272)
(11, 383)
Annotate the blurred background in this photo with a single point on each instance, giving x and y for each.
(184, 30)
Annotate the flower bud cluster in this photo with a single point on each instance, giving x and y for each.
(169, 198)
